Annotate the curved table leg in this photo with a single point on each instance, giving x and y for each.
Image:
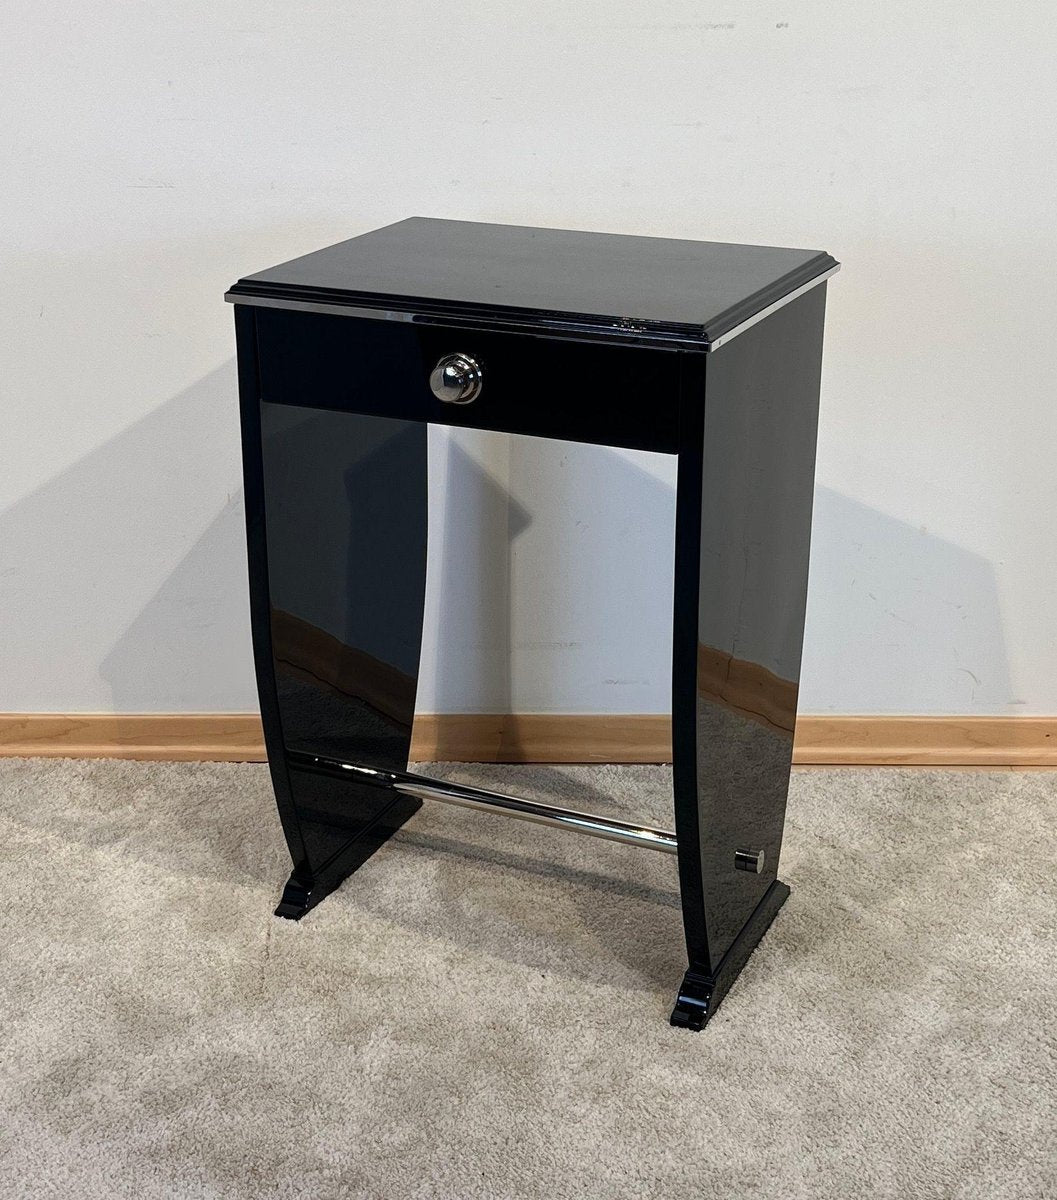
(336, 522)
(746, 479)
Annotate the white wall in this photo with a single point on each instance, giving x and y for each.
(155, 152)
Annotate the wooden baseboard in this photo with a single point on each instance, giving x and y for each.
(820, 740)
(541, 737)
(175, 737)
(926, 741)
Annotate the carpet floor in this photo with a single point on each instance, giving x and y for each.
(481, 1011)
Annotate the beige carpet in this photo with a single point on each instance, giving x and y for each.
(482, 1010)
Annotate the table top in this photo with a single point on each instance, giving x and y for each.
(612, 287)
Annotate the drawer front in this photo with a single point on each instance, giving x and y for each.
(608, 395)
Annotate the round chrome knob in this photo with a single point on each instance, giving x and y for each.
(456, 379)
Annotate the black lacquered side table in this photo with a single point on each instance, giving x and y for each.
(708, 351)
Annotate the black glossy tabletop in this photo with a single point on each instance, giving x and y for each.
(656, 289)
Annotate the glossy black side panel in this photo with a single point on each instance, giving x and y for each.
(336, 518)
(345, 496)
(746, 481)
(260, 607)
(346, 502)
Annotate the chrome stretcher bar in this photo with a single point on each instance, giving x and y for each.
(495, 802)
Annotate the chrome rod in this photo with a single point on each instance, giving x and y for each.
(495, 802)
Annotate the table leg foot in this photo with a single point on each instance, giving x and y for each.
(304, 891)
(693, 1005)
(297, 899)
(701, 993)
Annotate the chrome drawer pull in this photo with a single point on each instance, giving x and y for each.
(456, 379)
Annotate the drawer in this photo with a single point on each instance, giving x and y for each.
(609, 395)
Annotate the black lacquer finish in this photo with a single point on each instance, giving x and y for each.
(585, 337)
(701, 991)
(644, 290)
(743, 528)
(346, 536)
(612, 395)
(336, 512)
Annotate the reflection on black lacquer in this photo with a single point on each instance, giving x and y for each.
(744, 529)
(346, 498)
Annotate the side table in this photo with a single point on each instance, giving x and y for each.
(708, 351)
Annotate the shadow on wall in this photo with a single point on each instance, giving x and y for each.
(553, 585)
(129, 568)
(466, 663)
(188, 648)
(898, 620)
